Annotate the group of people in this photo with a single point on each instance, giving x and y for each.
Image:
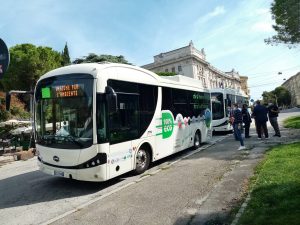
(240, 117)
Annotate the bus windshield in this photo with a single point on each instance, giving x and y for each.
(64, 111)
(217, 106)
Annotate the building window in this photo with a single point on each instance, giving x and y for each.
(179, 69)
(173, 69)
(166, 70)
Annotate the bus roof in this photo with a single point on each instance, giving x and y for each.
(128, 73)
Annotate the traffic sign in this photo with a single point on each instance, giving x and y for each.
(4, 58)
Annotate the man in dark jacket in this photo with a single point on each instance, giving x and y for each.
(273, 114)
(260, 114)
(238, 125)
(246, 120)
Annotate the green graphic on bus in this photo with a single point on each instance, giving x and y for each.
(46, 93)
(167, 123)
(207, 116)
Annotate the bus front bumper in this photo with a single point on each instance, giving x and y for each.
(96, 174)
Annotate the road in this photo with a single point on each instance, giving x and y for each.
(169, 193)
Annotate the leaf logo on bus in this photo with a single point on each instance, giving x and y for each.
(167, 125)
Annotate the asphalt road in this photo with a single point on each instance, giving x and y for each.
(172, 189)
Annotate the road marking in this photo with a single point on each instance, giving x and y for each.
(80, 207)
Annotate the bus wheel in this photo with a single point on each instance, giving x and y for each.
(142, 161)
(197, 140)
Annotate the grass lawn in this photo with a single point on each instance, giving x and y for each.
(275, 198)
(292, 122)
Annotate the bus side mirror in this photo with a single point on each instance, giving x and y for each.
(7, 101)
(111, 99)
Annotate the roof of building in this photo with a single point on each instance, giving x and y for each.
(291, 78)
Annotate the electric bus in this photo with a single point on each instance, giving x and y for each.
(222, 100)
(96, 121)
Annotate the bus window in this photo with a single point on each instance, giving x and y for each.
(230, 100)
(180, 102)
(124, 123)
(167, 99)
(101, 119)
(147, 105)
(217, 106)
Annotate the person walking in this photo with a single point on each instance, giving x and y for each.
(238, 125)
(260, 114)
(246, 120)
(273, 114)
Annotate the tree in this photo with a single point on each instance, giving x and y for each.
(166, 74)
(283, 96)
(268, 96)
(286, 14)
(92, 57)
(65, 56)
(279, 95)
(27, 64)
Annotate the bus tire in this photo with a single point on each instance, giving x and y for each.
(197, 140)
(142, 161)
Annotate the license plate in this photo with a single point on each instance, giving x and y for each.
(58, 173)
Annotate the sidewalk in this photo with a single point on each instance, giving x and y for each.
(232, 189)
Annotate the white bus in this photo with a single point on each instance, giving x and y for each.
(97, 121)
(222, 100)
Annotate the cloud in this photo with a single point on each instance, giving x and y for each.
(262, 11)
(262, 26)
(219, 10)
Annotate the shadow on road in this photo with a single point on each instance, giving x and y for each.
(29, 188)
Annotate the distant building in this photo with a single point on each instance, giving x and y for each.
(293, 85)
(244, 85)
(191, 62)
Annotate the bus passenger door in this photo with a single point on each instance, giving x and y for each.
(123, 128)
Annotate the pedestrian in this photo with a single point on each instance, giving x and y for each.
(231, 120)
(273, 114)
(260, 114)
(246, 120)
(238, 125)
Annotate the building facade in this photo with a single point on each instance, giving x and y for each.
(293, 85)
(191, 62)
(244, 85)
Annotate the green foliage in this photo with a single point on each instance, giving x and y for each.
(166, 73)
(283, 96)
(275, 198)
(17, 109)
(268, 96)
(27, 64)
(279, 94)
(4, 115)
(93, 58)
(292, 122)
(286, 14)
(65, 56)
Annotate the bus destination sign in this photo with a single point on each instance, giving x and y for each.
(62, 91)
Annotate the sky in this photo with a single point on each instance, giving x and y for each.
(232, 32)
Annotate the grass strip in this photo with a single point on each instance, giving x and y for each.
(275, 197)
(292, 122)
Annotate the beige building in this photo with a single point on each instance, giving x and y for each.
(293, 85)
(244, 85)
(191, 62)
